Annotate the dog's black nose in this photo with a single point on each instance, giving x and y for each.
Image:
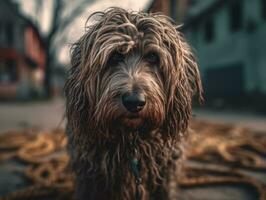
(134, 102)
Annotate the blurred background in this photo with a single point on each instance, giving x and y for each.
(227, 36)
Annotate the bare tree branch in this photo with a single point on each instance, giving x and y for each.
(58, 8)
(74, 13)
(60, 20)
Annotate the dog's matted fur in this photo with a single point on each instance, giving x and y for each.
(128, 104)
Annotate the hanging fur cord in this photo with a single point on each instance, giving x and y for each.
(135, 167)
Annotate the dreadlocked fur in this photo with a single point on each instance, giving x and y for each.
(122, 52)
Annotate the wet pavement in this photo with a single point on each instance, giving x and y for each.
(246, 119)
(44, 115)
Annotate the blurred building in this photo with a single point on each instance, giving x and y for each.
(229, 39)
(176, 9)
(22, 55)
(163, 7)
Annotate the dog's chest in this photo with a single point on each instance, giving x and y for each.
(140, 175)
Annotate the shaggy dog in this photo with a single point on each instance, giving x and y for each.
(128, 104)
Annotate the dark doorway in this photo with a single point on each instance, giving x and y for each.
(225, 82)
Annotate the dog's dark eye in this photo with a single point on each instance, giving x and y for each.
(152, 58)
(115, 58)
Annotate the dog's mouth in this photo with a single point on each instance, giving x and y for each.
(133, 116)
(133, 121)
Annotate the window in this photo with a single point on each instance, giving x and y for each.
(173, 9)
(236, 16)
(8, 71)
(2, 40)
(209, 31)
(192, 3)
(194, 35)
(12, 70)
(9, 33)
(263, 9)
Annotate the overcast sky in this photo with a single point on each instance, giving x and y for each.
(77, 27)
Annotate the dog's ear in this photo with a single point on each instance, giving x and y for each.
(77, 106)
(190, 70)
(184, 83)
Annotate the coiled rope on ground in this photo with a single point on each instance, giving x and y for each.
(225, 151)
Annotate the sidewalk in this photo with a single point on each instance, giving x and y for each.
(44, 115)
(246, 119)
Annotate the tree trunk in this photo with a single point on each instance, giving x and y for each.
(48, 69)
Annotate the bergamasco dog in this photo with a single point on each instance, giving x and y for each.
(128, 104)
